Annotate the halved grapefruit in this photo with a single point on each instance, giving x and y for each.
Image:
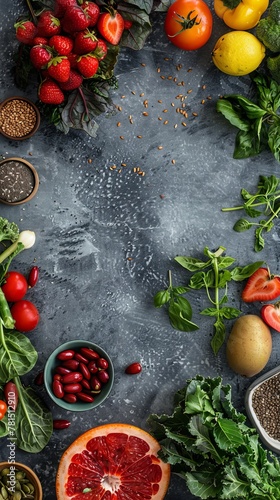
(112, 462)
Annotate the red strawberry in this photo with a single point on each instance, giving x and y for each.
(50, 93)
(60, 6)
(92, 10)
(63, 45)
(40, 56)
(25, 32)
(261, 286)
(72, 58)
(75, 80)
(75, 19)
(101, 49)
(59, 68)
(85, 42)
(87, 65)
(270, 314)
(40, 40)
(111, 25)
(48, 25)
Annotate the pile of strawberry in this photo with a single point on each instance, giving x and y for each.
(68, 43)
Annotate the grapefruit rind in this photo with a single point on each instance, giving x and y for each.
(128, 474)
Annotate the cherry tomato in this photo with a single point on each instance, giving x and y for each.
(15, 286)
(3, 409)
(188, 24)
(26, 315)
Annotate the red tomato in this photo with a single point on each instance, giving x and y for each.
(188, 24)
(26, 315)
(15, 286)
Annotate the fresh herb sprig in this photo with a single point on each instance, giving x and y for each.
(213, 275)
(264, 204)
(208, 444)
(258, 122)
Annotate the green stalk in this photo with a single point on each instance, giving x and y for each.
(11, 249)
(5, 314)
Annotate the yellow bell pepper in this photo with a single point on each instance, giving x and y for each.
(244, 16)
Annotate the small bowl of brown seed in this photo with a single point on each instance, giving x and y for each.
(19, 181)
(262, 402)
(17, 477)
(19, 118)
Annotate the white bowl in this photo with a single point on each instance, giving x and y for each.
(269, 441)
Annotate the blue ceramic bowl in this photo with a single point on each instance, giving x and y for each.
(53, 362)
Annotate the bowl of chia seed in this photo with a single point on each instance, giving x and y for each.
(19, 118)
(262, 402)
(19, 181)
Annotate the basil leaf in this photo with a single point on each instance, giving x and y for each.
(232, 115)
(259, 240)
(246, 144)
(190, 263)
(179, 290)
(251, 110)
(161, 298)
(229, 312)
(274, 139)
(224, 262)
(241, 273)
(178, 320)
(219, 336)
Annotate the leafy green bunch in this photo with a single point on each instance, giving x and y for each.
(209, 445)
(213, 275)
(32, 423)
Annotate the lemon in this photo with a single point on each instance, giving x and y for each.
(238, 53)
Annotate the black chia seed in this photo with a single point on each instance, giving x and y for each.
(266, 405)
(16, 181)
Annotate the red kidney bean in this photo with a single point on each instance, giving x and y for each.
(103, 376)
(62, 370)
(33, 276)
(87, 398)
(58, 389)
(85, 383)
(79, 357)
(92, 366)
(95, 384)
(85, 371)
(61, 424)
(67, 354)
(133, 369)
(102, 363)
(73, 388)
(11, 395)
(70, 398)
(57, 376)
(39, 379)
(89, 353)
(72, 364)
(71, 377)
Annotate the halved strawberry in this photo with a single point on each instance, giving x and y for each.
(270, 313)
(111, 25)
(25, 31)
(261, 286)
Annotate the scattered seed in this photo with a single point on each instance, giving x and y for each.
(189, 91)
(175, 126)
(143, 64)
(145, 113)
(184, 124)
(173, 162)
(165, 122)
(119, 108)
(142, 94)
(123, 164)
(118, 124)
(159, 118)
(162, 77)
(122, 137)
(203, 101)
(89, 160)
(160, 147)
(165, 110)
(139, 136)
(195, 114)
(203, 87)
(133, 92)
(158, 70)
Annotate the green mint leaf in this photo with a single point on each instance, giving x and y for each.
(242, 225)
(161, 298)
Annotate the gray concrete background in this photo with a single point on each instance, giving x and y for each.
(107, 237)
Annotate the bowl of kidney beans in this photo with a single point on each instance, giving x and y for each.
(78, 375)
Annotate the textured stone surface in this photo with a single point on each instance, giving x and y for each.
(106, 237)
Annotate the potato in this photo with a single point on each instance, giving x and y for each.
(249, 345)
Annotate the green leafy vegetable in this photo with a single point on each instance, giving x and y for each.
(213, 275)
(268, 28)
(9, 231)
(258, 122)
(33, 423)
(209, 445)
(264, 205)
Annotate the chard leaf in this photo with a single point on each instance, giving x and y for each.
(203, 441)
(227, 434)
(234, 487)
(203, 486)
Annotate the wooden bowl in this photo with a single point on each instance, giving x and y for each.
(19, 118)
(19, 181)
(29, 473)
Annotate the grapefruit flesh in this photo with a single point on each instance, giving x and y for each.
(112, 462)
